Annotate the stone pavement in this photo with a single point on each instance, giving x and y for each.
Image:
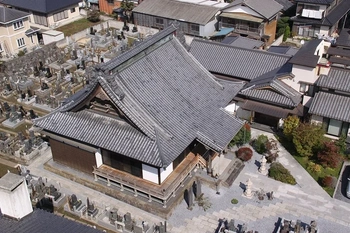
(305, 201)
(101, 200)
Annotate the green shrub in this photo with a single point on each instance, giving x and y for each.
(289, 125)
(21, 53)
(260, 144)
(280, 173)
(313, 167)
(234, 201)
(327, 181)
(244, 153)
(307, 138)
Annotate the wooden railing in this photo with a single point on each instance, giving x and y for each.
(163, 191)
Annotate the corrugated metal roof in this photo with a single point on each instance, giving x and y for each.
(237, 62)
(331, 106)
(166, 94)
(338, 79)
(8, 14)
(324, 2)
(266, 8)
(176, 10)
(42, 6)
(40, 221)
(244, 42)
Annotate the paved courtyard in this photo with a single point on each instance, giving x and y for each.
(305, 201)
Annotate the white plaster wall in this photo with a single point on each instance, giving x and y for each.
(242, 9)
(231, 108)
(307, 101)
(98, 157)
(208, 29)
(217, 165)
(164, 173)
(150, 173)
(324, 30)
(243, 114)
(17, 203)
(302, 74)
(49, 38)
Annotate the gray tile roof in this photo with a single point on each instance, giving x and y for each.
(285, 3)
(40, 221)
(242, 42)
(338, 51)
(177, 10)
(10, 181)
(269, 88)
(42, 6)
(237, 62)
(8, 15)
(167, 95)
(344, 38)
(266, 8)
(338, 79)
(283, 50)
(338, 60)
(322, 2)
(305, 55)
(338, 12)
(331, 106)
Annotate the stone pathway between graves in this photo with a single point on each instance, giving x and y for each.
(306, 201)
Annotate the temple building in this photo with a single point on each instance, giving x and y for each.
(147, 119)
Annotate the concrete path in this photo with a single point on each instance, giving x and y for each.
(305, 201)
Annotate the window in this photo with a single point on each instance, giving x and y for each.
(335, 127)
(110, 1)
(18, 24)
(60, 15)
(303, 88)
(312, 7)
(159, 21)
(20, 42)
(40, 19)
(194, 28)
(72, 10)
(308, 31)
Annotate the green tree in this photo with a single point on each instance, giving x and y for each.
(286, 33)
(307, 137)
(282, 23)
(289, 125)
(242, 137)
(93, 16)
(260, 144)
(127, 7)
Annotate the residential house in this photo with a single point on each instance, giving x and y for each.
(265, 98)
(16, 34)
(308, 64)
(331, 104)
(47, 13)
(109, 6)
(256, 19)
(315, 18)
(196, 19)
(148, 119)
(339, 52)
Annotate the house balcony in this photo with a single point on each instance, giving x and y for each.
(153, 192)
(244, 29)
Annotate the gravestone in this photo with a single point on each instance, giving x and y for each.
(53, 192)
(112, 215)
(244, 228)
(297, 226)
(128, 222)
(231, 226)
(20, 137)
(91, 210)
(27, 146)
(32, 114)
(74, 203)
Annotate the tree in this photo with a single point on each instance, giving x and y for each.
(282, 23)
(260, 144)
(93, 16)
(242, 137)
(307, 137)
(289, 125)
(127, 7)
(329, 156)
(286, 33)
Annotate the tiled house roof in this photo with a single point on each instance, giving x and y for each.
(8, 15)
(331, 106)
(337, 79)
(236, 62)
(169, 98)
(42, 6)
